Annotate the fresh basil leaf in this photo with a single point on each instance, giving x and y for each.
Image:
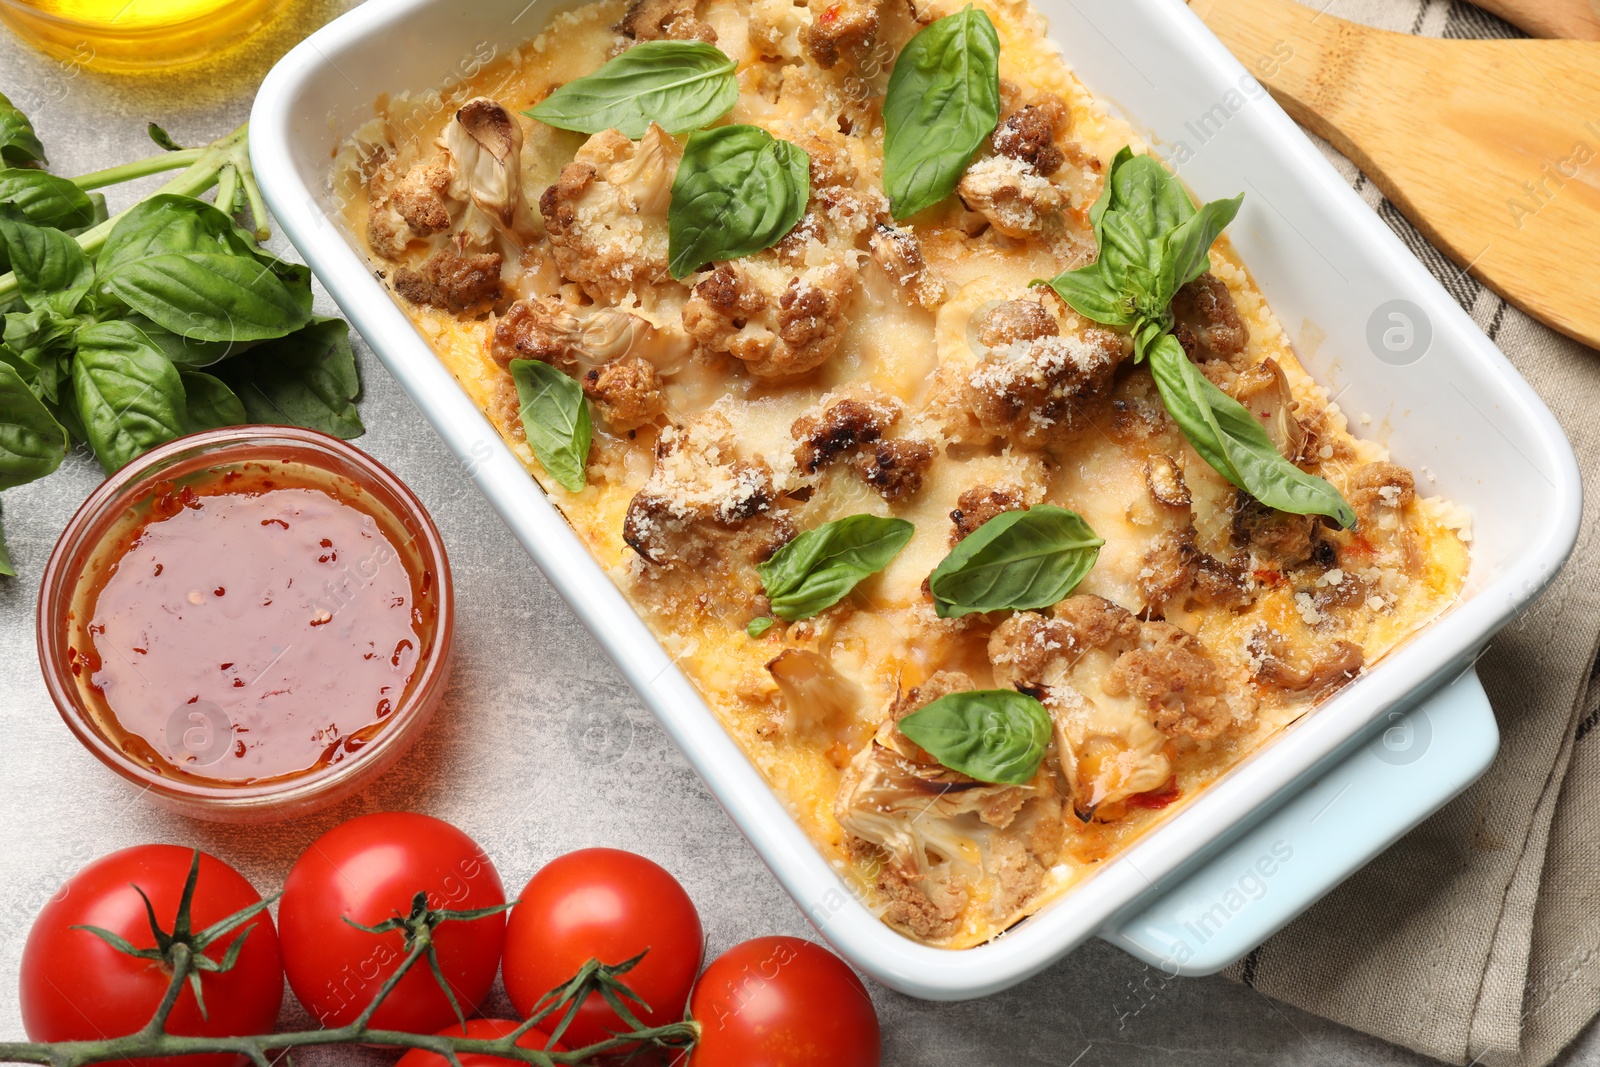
(6, 569)
(1019, 559)
(186, 351)
(757, 627)
(162, 138)
(32, 442)
(171, 223)
(208, 403)
(38, 345)
(18, 143)
(1091, 295)
(46, 199)
(993, 735)
(738, 190)
(943, 100)
(1188, 248)
(679, 85)
(129, 395)
(52, 272)
(209, 296)
(556, 420)
(308, 379)
(1234, 443)
(817, 569)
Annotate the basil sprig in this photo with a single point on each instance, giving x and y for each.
(679, 85)
(815, 570)
(1235, 443)
(19, 145)
(556, 419)
(738, 190)
(943, 100)
(1153, 242)
(993, 735)
(1019, 560)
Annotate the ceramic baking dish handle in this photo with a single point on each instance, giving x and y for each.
(1252, 887)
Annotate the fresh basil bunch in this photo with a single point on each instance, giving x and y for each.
(738, 190)
(679, 85)
(556, 420)
(943, 100)
(1153, 241)
(1019, 560)
(994, 735)
(817, 569)
(108, 322)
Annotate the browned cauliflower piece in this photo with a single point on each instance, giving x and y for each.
(665, 20)
(1377, 489)
(1029, 136)
(1120, 690)
(895, 468)
(412, 208)
(938, 831)
(704, 518)
(463, 285)
(899, 254)
(839, 29)
(1278, 539)
(1209, 325)
(627, 391)
(978, 505)
(606, 215)
(1038, 390)
(1324, 670)
(1014, 197)
(855, 425)
(579, 338)
(779, 323)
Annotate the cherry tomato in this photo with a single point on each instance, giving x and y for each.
(783, 1002)
(484, 1030)
(367, 871)
(610, 905)
(76, 986)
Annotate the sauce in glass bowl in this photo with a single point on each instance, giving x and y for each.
(251, 622)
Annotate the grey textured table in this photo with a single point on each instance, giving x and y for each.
(540, 746)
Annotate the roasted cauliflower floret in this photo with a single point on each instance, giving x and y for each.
(1015, 198)
(981, 503)
(415, 207)
(1209, 325)
(579, 338)
(899, 254)
(854, 425)
(940, 831)
(1029, 136)
(839, 29)
(1278, 539)
(1038, 391)
(779, 323)
(627, 392)
(606, 216)
(665, 20)
(895, 468)
(1120, 690)
(484, 145)
(463, 285)
(704, 518)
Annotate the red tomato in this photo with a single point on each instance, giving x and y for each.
(783, 1002)
(368, 870)
(75, 986)
(484, 1030)
(610, 905)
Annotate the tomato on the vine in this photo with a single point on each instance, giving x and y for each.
(483, 1030)
(77, 986)
(610, 905)
(368, 871)
(783, 1002)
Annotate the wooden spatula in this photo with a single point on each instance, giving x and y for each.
(1490, 148)
(1578, 20)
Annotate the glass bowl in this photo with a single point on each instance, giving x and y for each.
(88, 546)
(126, 36)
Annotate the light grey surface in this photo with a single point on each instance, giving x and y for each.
(540, 747)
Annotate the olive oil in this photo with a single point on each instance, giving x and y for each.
(134, 35)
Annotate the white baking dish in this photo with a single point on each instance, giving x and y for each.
(1184, 897)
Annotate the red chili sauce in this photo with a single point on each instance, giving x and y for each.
(254, 624)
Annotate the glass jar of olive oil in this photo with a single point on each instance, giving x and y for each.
(134, 35)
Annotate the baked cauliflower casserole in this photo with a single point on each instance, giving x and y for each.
(988, 575)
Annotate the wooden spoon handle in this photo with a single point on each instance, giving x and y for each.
(1577, 20)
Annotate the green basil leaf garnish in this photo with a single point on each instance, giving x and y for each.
(208, 402)
(210, 296)
(1020, 560)
(678, 85)
(817, 569)
(1188, 248)
(305, 379)
(171, 223)
(738, 190)
(18, 143)
(128, 393)
(943, 100)
(46, 199)
(993, 735)
(758, 626)
(52, 272)
(556, 419)
(1236, 445)
(32, 442)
